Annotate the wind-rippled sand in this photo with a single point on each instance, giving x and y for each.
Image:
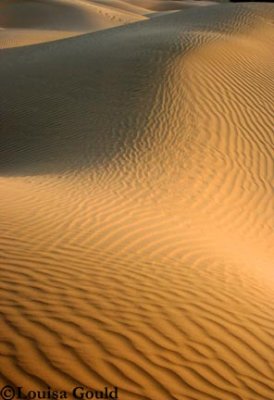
(135, 198)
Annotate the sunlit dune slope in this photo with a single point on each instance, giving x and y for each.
(135, 208)
(30, 21)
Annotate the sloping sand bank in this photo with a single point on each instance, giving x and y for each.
(25, 22)
(135, 207)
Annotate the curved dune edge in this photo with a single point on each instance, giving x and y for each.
(32, 22)
(135, 209)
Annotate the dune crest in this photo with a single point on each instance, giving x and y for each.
(135, 207)
(30, 22)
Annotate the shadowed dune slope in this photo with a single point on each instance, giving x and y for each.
(160, 5)
(135, 208)
(30, 21)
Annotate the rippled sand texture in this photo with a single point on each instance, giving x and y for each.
(135, 207)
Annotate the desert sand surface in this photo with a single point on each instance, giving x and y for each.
(136, 198)
(25, 22)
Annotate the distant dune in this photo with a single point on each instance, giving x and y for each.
(35, 21)
(136, 198)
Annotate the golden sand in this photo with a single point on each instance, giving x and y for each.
(135, 198)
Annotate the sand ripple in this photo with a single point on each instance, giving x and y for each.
(135, 207)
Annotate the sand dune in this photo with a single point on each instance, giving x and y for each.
(135, 206)
(30, 22)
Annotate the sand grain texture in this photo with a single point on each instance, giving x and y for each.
(135, 206)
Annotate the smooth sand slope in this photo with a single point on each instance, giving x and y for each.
(135, 206)
(32, 21)
(25, 22)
